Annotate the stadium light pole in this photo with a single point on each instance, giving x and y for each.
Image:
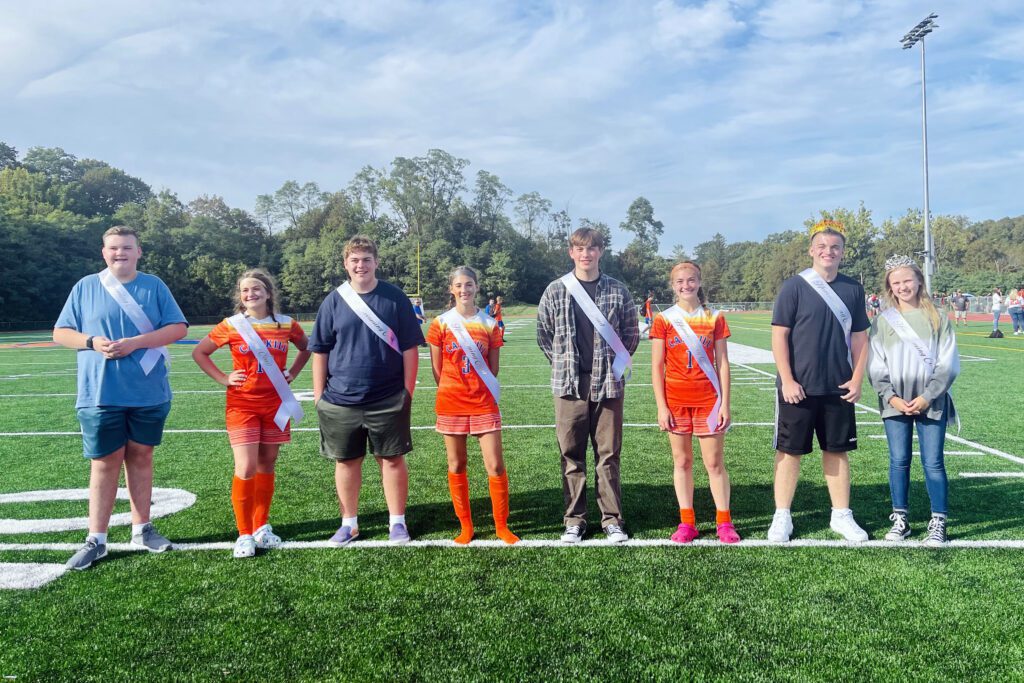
(914, 36)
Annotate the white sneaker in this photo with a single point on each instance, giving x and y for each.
(844, 525)
(245, 546)
(781, 528)
(266, 538)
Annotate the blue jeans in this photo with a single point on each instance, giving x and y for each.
(931, 435)
(1017, 316)
(995, 319)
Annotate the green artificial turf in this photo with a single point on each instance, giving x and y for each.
(537, 613)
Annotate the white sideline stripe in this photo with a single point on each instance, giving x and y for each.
(954, 453)
(28, 575)
(977, 475)
(165, 502)
(544, 543)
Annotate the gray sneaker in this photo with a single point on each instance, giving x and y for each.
(615, 533)
(150, 539)
(89, 553)
(574, 532)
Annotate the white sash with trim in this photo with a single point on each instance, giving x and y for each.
(676, 316)
(906, 333)
(622, 362)
(366, 314)
(457, 325)
(290, 407)
(134, 311)
(835, 304)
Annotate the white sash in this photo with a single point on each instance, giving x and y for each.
(675, 316)
(131, 308)
(457, 325)
(290, 407)
(366, 314)
(832, 300)
(622, 361)
(905, 332)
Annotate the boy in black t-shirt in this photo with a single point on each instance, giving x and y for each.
(820, 345)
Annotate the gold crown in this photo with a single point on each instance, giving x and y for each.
(828, 224)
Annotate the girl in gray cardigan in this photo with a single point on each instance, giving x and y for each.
(913, 361)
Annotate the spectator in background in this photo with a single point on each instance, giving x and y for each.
(997, 307)
(959, 303)
(1015, 307)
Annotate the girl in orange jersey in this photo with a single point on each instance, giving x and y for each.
(464, 347)
(690, 373)
(255, 406)
(499, 316)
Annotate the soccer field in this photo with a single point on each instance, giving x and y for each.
(814, 609)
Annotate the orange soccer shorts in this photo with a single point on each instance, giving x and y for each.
(693, 420)
(461, 425)
(248, 425)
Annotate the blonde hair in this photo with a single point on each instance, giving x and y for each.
(693, 266)
(268, 284)
(460, 270)
(120, 231)
(924, 298)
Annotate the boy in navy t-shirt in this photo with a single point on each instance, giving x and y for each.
(365, 357)
(820, 345)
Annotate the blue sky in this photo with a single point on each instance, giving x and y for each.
(741, 117)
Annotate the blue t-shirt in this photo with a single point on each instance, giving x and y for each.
(817, 343)
(361, 367)
(91, 310)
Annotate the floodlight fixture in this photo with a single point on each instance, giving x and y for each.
(913, 37)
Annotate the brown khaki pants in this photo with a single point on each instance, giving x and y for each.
(577, 421)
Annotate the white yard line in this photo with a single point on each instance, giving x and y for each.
(979, 475)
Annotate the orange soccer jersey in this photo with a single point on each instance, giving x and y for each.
(685, 382)
(497, 312)
(461, 391)
(257, 392)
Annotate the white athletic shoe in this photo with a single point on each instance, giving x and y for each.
(266, 538)
(245, 546)
(781, 528)
(844, 525)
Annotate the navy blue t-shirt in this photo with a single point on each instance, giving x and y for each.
(361, 367)
(817, 345)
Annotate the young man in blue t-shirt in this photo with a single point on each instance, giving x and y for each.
(365, 356)
(123, 392)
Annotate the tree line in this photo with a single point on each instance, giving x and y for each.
(423, 211)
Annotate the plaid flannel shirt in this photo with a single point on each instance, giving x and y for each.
(556, 336)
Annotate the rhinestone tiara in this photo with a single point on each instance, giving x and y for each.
(898, 261)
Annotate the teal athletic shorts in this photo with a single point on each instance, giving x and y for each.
(108, 428)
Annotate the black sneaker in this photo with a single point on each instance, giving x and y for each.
(89, 553)
(936, 532)
(574, 533)
(900, 530)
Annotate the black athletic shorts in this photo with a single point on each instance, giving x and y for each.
(830, 417)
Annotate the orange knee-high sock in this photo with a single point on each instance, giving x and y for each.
(499, 505)
(458, 485)
(686, 516)
(263, 495)
(241, 501)
(723, 517)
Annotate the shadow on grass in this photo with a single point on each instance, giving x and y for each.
(978, 509)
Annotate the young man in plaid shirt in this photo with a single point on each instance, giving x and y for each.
(587, 328)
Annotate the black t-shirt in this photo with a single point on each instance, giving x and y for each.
(585, 329)
(817, 345)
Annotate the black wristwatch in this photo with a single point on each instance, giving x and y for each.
(88, 342)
